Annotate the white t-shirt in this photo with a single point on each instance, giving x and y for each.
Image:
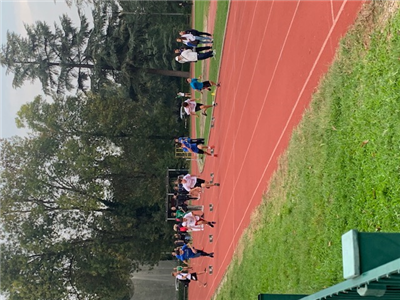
(180, 276)
(190, 182)
(190, 220)
(188, 37)
(188, 56)
(191, 107)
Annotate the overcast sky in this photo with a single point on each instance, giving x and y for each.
(14, 13)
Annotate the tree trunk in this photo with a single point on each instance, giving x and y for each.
(171, 73)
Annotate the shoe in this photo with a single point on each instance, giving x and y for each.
(216, 184)
(214, 222)
(204, 285)
(214, 103)
(215, 155)
(209, 89)
(214, 54)
(211, 255)
(218, 84)
(205, 270)
(211, 147)
(204, 114)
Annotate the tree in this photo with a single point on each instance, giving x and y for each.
(81, 198)
(55, 58)
(65, 59)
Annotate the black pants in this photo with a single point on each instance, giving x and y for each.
(202, 253)
(205, 55)
(198, 49)
(198, 33)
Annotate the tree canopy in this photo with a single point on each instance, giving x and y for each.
(81, 196)
(120, 50)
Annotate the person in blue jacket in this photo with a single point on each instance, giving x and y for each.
(187, 252)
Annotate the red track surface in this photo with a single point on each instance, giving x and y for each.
(275, 53)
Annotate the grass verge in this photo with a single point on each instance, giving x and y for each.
(201, 13)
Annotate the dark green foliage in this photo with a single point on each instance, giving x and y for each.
(83, 197)
(135, 51)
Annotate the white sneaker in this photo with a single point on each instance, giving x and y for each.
(214, 103)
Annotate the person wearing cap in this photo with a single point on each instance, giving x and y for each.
(190, 56)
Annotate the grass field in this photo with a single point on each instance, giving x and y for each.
(340, 172)
(201, 11)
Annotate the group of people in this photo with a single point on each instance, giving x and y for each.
(192, 106)
(191, 52)
(188, 188)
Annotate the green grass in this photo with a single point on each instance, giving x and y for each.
(341, 171)
(201, 11)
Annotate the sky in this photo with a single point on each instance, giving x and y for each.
(13, 15)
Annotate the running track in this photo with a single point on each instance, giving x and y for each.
(275, 53)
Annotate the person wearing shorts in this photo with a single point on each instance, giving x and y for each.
(191, 107)
(190, 183)
(182, 269)
(187, 252)
(189, 139)
(194, 148)
(191, 220)
(188, 277)
(201, 85)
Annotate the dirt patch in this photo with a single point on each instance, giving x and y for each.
(373, 16)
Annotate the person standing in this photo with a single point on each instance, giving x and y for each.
(195, 32)
(197, 49)
(201, 39)
(191, 44)
(190, 56)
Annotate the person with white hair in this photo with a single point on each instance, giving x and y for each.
(190, 56)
